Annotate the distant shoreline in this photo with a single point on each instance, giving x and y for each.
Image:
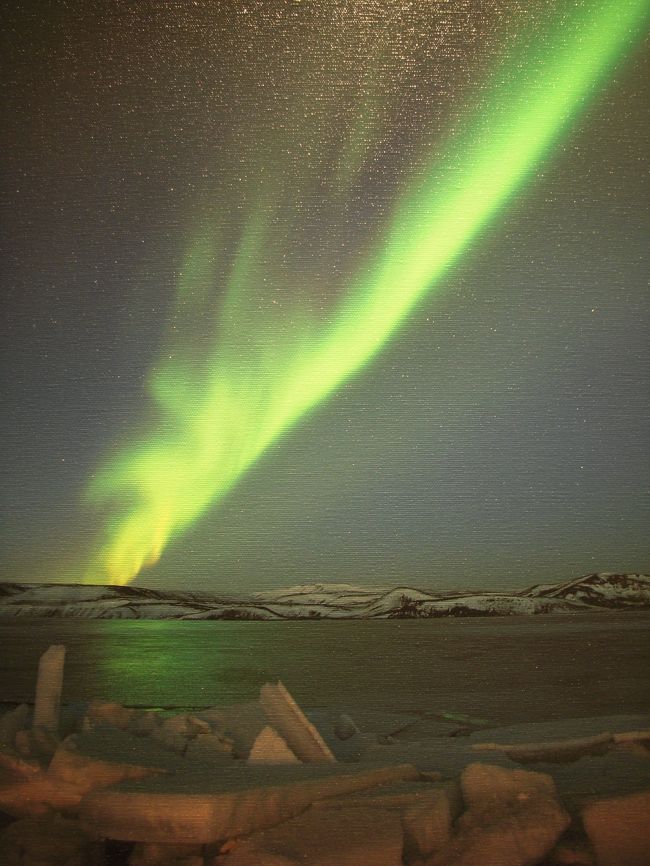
(599, 591)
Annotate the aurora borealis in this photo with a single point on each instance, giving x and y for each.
(352, 162)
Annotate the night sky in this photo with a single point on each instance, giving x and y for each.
(195, 192)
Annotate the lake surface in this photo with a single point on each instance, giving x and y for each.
(505, 669)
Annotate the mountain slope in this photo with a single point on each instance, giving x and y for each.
(603, 590)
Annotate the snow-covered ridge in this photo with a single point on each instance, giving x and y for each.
(601, 590)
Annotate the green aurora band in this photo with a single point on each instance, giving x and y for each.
(262, 373)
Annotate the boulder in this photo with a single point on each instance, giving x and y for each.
(619, 830)
(48, 841)
(344, 837)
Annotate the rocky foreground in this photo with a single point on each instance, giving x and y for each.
(266, 784)
(598, 591)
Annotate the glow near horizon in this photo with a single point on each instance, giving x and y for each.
(217, 419)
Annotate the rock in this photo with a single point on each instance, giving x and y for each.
(48, 688)
(48, 841)
(202, 806)
(345, 727)
(355, 837)
(108, 713)
(10, 723)
(619, 830)
(270, 748)
(287, 718)
(512, 819)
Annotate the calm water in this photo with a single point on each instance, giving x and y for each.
(503, 669)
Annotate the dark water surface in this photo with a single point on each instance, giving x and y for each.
(498, 668)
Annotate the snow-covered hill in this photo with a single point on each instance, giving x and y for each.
(320, 601)
(603, 589)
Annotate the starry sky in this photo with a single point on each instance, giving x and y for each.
(194, 193)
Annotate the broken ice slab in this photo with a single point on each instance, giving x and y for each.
(270, 748)
(48, 688)
(10, 723)
(553, 751)
(291, 723)
(343, 838)
(461, 718)
(240, 723)
(202, 806)
(563, 729)
(618, 829)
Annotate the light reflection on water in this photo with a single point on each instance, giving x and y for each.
(505, 669)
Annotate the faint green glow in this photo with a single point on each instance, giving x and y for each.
(266, 369)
